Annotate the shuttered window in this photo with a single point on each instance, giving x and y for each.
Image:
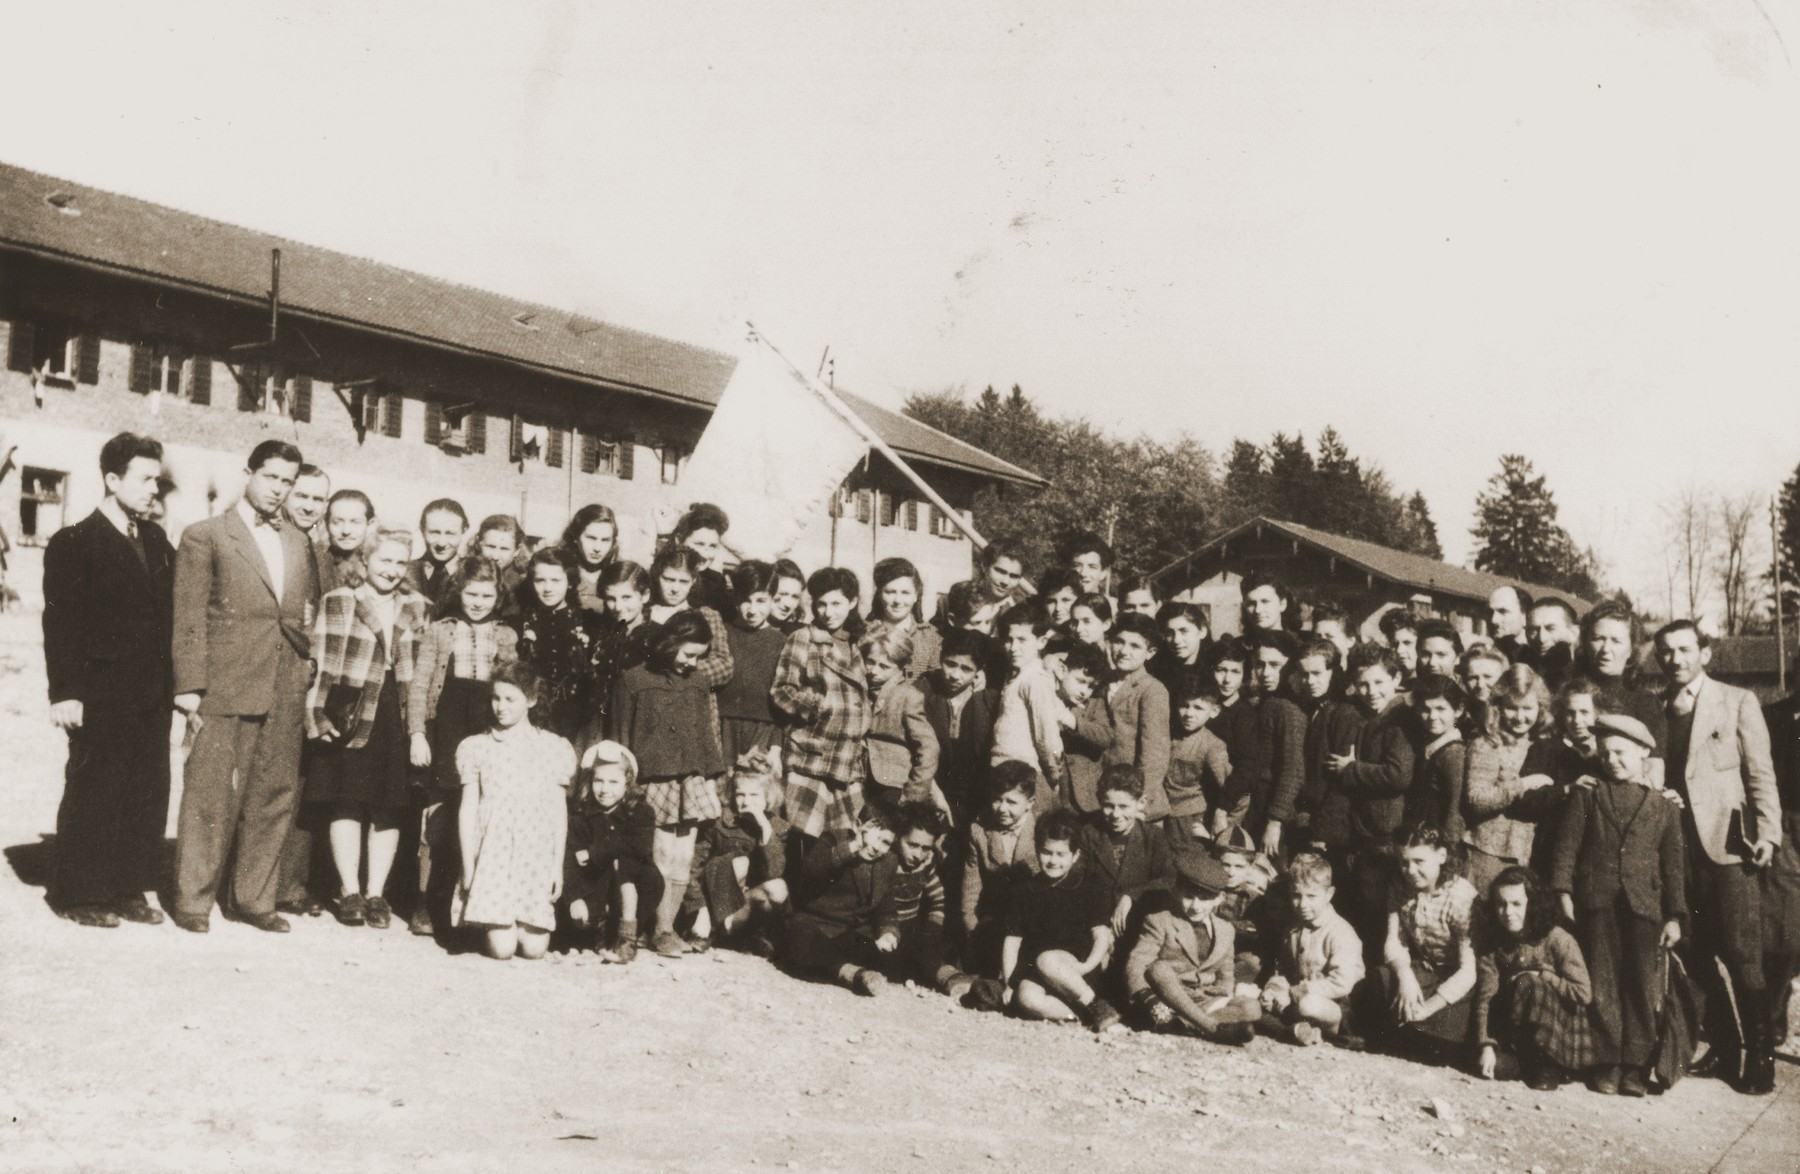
(300, 403)
(475, 432)
(200, 381)
(87, 359)
(393, 406)
(554, 447)
(434, 422)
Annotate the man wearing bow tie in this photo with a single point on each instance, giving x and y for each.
(106, 652)
(245, 591)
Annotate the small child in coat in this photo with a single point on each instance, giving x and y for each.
(610, 873)
(902, 747)
(1000, 853)
(1620, 871)
(740, 859)
(1182, 970)
(1199, 767)
(1307, 991)
(1532, 992)
(1435, 797)
(1058, 939)
(845, 921)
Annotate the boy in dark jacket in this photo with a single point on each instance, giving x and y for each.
(920, 902)
(845, 919)
(962, 717)
(1133, 864)
(1371, 781)
(740, 860)
(1058, 934)
(608, 871)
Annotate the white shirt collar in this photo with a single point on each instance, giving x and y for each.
(115, 513)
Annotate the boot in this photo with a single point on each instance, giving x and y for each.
(625, 945)
(1758, 1078)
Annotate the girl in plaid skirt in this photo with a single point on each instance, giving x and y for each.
(821, 686)
(1532, 994)
(662, 712)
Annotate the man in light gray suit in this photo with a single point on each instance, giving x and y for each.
(1719, 762)
(245, 591)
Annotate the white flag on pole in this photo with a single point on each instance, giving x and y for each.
(772, 456)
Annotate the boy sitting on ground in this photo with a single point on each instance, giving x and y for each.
(844, 924)
(1181, 973)
(919, 901)
(1320, 960)
(1057, 934)
(1000, 852)
(1130, 861)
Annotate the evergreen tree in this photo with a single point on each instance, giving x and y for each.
(1415, 517)
(1787, 520)
(1517, 534)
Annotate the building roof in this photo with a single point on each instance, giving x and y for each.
(53, 217)
(1384, 562)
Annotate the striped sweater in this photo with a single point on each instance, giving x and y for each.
(919, 893)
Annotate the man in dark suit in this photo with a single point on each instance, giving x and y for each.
(245, 591)
(1719, 762)
(106, 652)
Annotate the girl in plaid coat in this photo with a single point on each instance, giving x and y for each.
(362, 645)
(821, 686)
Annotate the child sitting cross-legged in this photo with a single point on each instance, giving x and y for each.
(1182, 970)
(1532, 992)
(1428, 963)
(1131, 862)
(740, 860)
(610, 873)
(1318, 964)
(1000, 853)
(1058, 934)
(845, 919)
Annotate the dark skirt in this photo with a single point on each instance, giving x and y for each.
(1536, 1022)
(740, 735)
(464, 709)
(375, 773)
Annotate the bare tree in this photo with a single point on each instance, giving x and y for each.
(1688, 523)
(1739, 528)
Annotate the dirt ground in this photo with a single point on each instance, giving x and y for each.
(142, 1049)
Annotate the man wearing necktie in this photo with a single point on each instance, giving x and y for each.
(1719, 762)
(245, 591)
(107, 615)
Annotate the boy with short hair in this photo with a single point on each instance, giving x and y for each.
(1131, 862)
(1181, 971)
(1038, 700)
(1400, 629)
(920, 902)
(1256, 903)
(1268, 758)
(1332, 725)
(1057, 934)
(1126, 723)
(442, 524)
(1000, 852)
(1331, 623)
(1200, 769)
(962, 716)
(1369, 786)
(1319, 963)
(845, 921)
(1439, 648)
(1435, 796)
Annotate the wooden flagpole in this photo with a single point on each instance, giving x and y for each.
(874, 441)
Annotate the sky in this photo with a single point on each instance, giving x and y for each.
(1566, 229)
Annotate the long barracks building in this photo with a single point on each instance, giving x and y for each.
(120, 314)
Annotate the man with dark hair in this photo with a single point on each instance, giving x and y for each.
(1507, 609)
(979, 602)
(107, 614)
(1719, 762)
(1091, 559)
(305, 505)
(245, 592)
(1551, 628)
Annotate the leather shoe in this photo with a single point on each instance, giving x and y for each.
(267, 922)
(193, 922)
(305, 907)
(1633, 1084)
(92, 915)
(1720, 1062)
(139, 911)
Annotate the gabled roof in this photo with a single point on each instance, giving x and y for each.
(1384, 562)
(55, 218)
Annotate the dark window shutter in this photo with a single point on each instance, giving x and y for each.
(909, 515)
(301, 408)
(87, 359)
(434, 422)
(515, 449)
(139, 378)
(590, 452)
(393, 404)
(200, 382)
(865, 506)
(553, 448)
(250, 389)
(475, 432)
(20, 343)
(627, 457)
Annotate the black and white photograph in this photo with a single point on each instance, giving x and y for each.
(900, 587)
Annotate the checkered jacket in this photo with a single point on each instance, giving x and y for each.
(821, 686)
(349, 654)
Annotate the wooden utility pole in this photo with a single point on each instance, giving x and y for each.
(1780, 623)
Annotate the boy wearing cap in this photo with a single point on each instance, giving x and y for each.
(1182, 969)
(1620, 870)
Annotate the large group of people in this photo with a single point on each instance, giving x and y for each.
(1054, 795)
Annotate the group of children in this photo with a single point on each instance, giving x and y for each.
(1061, 804)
